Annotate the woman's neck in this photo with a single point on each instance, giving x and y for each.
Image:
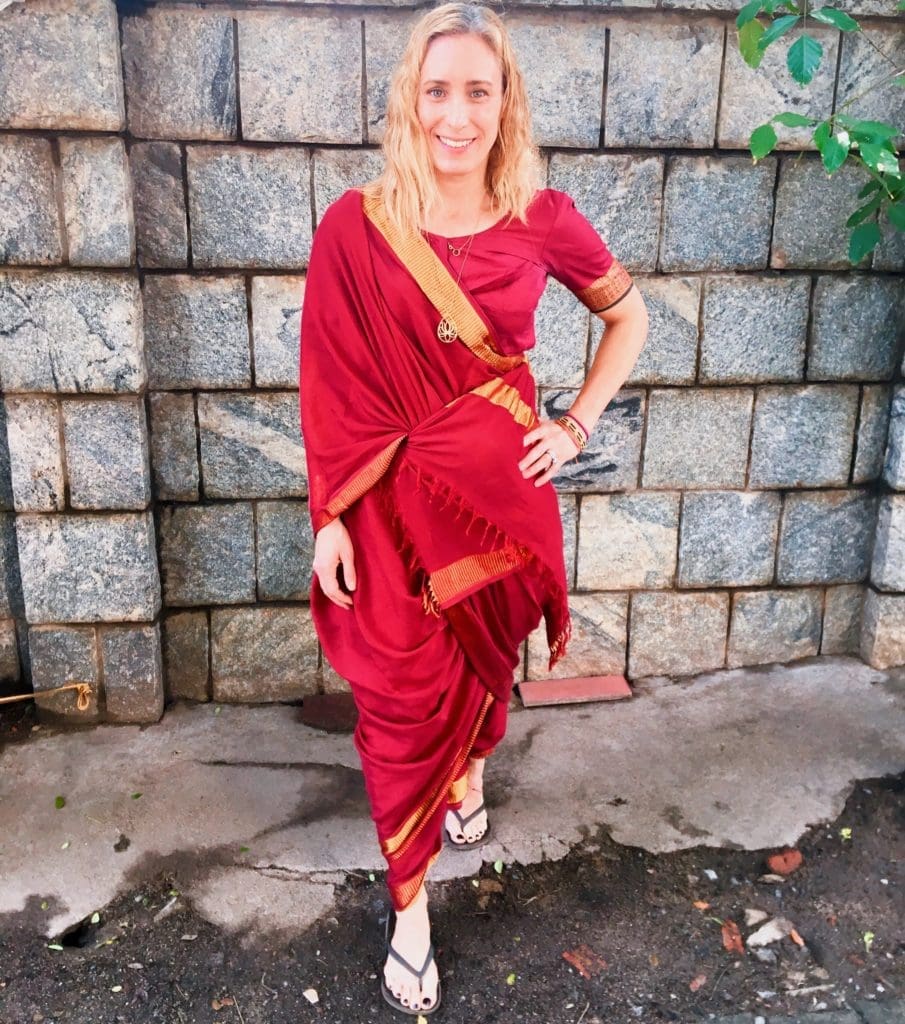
(463, 207)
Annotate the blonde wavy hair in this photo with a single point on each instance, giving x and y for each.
(407, 186)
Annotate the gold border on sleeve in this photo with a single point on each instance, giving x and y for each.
(607, 290)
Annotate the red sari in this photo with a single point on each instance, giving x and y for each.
(415, 443)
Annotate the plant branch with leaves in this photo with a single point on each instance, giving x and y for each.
(839, 137)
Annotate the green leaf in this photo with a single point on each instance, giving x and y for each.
(864, 238)
(95, 917)
(44, 904)
(868, 940)
(59, 802)
(896, 214)
(748, 13)
(878, 158)
(498, 866)
(792, 120)
(748, 37)
(510, 979)
(833, 149)
(876, 129)
(762, 140)
(65, 846)
(838, 19)
(53, 945)
(244, 849)
(864, 212)
(135, 796)
(779, 27)
(803, 58)
(871, 186)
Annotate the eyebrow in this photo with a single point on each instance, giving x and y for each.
(474, 81)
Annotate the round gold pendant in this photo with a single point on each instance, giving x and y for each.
(446, 330)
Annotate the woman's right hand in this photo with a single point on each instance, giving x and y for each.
(332, 548)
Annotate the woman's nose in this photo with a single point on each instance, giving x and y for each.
(456, 114)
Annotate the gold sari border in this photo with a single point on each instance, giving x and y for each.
(496, 390)
(398, 843)
(408, 890)
(447, 585)
(360, 483)
(438, 285)
(607, 290)
(458, 789)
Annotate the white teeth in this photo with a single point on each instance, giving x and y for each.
(454, 143)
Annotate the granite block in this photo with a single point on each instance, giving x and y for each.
(97, 202)
(251, 445)
(728, 538)
(180, 74)
(88, 568)
(697, 437)
(627, 541)
(826, 537)
(803, 436)
(718, 213)
(70, 331)
(29, 218)
(107, 456)
(207, 554)
(196, 332)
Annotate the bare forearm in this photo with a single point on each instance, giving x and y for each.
(616, 354)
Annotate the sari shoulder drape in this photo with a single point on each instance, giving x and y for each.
(439, 426)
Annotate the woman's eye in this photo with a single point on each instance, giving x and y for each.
(483, 92)
(435, 89)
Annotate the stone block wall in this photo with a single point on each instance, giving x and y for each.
(162, 172)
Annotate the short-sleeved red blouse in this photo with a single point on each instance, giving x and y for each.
(507, 266)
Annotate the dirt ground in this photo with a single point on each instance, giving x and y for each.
(625, 918)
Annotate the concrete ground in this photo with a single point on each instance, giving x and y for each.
(264, 815)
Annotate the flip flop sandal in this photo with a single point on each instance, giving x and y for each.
(385, 989)
(454, 844)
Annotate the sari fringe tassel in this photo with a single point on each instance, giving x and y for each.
(429, 601)
(558, 646)
(438, 490)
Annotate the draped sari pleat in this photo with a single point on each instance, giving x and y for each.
(415, 444)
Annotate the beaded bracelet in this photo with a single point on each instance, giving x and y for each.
(572, 416)
(575, 421)
(575, 432)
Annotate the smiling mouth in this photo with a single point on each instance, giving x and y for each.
(457, 144)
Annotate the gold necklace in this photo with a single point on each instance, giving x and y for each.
(446, 329)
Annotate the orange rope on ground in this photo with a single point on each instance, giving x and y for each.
(81, 702)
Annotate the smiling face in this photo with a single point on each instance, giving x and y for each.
(460, 96)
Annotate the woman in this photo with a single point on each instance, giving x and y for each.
(438, 542)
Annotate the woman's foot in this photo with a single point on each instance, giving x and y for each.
(474, 829)
(411, 940)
